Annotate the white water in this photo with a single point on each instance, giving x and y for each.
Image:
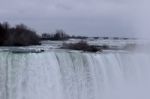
(64, 75)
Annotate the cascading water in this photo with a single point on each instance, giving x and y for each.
(74, 75)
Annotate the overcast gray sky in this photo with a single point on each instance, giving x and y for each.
(79, 17)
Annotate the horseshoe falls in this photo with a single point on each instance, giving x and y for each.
(74, 75)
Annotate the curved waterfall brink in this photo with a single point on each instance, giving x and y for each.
(74, 75)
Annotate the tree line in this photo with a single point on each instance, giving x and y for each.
(58, 35)
(20, 35)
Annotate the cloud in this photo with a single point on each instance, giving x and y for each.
(82, 16)
(57, 8)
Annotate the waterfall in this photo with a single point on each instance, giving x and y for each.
(74, 75)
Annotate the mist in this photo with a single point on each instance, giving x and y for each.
(143, 20)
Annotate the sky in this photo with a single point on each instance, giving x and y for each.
(79, 17)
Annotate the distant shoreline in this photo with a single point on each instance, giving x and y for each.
(21, 35)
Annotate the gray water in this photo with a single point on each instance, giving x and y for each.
(74, 75)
